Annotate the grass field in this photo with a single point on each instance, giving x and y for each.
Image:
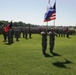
(25, 57)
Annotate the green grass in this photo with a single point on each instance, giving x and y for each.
(25, 57)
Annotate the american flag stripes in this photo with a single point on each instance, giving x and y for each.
(50, 14)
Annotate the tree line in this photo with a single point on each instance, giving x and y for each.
(16, 24)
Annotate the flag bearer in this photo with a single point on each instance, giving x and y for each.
(44, 41)
(51, 39)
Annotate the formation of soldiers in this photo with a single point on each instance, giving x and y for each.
(64, 32)
(15, 32)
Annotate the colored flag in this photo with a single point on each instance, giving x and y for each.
(9, 26)
(51, 13)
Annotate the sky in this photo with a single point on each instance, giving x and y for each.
(32, 11)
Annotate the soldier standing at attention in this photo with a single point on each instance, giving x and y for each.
(51, 39)
(67, 32)
(44, 41)
(26, 33)
(12, 33)
(17, 34)
(9, 36)
(4, 33)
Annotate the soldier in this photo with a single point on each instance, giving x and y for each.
(9, 36)
(0, 30)
(44, 41)
(67, 32)
(23, 32)
(30, 34)
(17, 34)
(4, 33)
(51, 39)
(12, 33)
(26, 33)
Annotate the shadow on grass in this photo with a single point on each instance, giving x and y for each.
(47, 55)
(55, 54)
(58, 63)
(7, 44)
(68, 37)
(62, 64)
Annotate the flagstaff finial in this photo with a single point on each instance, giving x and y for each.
(49, 1)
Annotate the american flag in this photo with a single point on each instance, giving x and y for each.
(52, 17)
(51, 13)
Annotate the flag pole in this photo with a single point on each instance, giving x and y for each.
(47, 21)
(54, 23)
(55, 11)
(46, 26)
(49, 1)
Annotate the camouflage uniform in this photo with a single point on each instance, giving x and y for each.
(51, 40)
(44, 41)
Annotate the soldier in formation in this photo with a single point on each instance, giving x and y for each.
(44, 41)
(51, 39)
